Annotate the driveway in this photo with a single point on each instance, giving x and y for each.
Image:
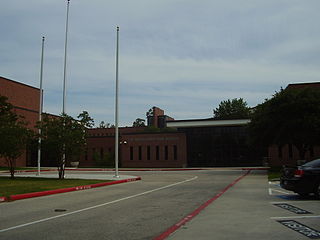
(148, 208)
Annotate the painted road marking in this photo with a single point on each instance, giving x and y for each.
(291, 208)
(190, 216)
(300, 228)
(275, 190)
(295, 217)
(96, 206)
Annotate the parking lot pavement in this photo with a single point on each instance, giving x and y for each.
(255, 209)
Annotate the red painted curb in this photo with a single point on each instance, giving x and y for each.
(190, 216)
(137, 169)
(63, 190)
(3, 199)
(120, 170)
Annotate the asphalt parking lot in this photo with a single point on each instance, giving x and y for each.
(249, 208)
(299, 214)
(255, 209)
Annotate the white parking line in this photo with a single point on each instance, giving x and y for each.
(294, 217)
(96, 206)
(274, 190)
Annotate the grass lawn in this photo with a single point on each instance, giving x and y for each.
(274, 173)
(17, 168)
(21, 185)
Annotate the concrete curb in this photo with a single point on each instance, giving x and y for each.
(190, 216)
(255, 168)
(64, 190)
(109, 170)
(138, 169)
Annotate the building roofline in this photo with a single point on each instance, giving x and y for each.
(190, 120)
(23, 84)
(303, 84)
(207, 123)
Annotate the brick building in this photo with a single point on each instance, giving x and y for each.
(25, 100)
(139, 146)
(193, 143)
(217, 143)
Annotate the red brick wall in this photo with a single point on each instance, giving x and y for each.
(156, 113)
(102, 139)
(154, 140)
(25, 99)
(276, 159)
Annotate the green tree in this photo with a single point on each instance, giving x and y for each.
(86, 120)
(64, 135)
(13, 134)
(105, 125)
(150, 112)
(291, 116)
(232, 109)
(139, 122)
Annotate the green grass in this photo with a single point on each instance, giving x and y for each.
(21, 185)
(274, 173)
(17, 168)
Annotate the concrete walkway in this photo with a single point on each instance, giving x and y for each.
(245, 211)
(98, 175)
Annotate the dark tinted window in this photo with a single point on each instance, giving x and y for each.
(314, 163)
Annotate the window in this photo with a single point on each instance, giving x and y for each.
(279, 151)
(101, 153)
(157, 153)
(290, 151)
(131, 153)
(166, 152)
(148, 152)
(140, 153)
(86, 155)
(175, 152)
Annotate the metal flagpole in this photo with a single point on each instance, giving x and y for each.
(64, 81)
(40, 107)
(65, 61)
(117, 110)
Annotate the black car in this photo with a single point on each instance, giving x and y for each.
(303, 180)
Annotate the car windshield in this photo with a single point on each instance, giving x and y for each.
(314, 163)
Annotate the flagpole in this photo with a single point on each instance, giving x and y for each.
(65, 62)
(64, 82)
(117, 110)
(40, 107)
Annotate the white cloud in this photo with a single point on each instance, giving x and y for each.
(184, 56)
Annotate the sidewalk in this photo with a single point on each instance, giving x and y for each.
(243, 212)
(73, 174)
(68, 175)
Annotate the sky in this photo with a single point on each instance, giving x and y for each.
(184, 56)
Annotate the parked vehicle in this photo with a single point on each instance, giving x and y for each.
(303, 179)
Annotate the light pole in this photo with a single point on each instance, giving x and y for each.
(117, 110)
(40, 107)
